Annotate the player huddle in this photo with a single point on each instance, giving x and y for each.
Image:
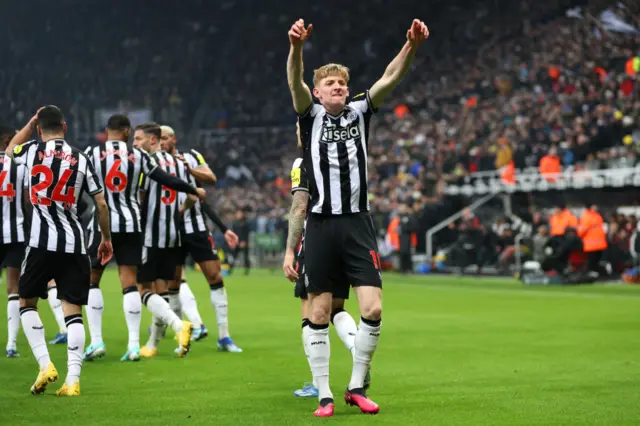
(148, 209)
(149, 214)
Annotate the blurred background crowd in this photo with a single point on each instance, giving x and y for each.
(503, 87)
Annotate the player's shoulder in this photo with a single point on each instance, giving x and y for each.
(25, 147)
(312, 111)
(362, 102)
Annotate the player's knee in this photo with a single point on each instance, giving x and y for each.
(319, 316)
(372, 311)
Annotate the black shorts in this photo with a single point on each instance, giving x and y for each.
(200, 246)
(300, 289)
(158, 264)
(72, 273)
(339, 247)
(127, 248)
(12, 255)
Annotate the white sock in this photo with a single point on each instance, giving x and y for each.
(316, 342)
(189, 305)
(56, 307)
(161, 309)
(157, 330)
(75, 347)
(306, 353)
(174, 302)
(366, 342)
(34, 330)
(13, 320)
(346, 328)
(220, 304)
(95, 309)
(132, 305)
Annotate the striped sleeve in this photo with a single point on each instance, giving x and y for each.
(200, 161)
(299, 177)
(148, 164)
(92, 184)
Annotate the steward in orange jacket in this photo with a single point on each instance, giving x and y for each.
(594, 238)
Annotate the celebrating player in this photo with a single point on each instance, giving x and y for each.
(58, 176)
(119, 168)
(340, 240)
(198, 242)
(293, 268)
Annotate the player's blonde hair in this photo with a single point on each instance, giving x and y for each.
(330, 69)
(167, 130)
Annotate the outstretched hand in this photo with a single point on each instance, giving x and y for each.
(417, 33)
(298, 33)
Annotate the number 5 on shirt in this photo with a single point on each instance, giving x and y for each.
(57, 195)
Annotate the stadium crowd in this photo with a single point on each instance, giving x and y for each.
(507, 83)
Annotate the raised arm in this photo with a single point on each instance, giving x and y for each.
(300, 92)
(400, 65)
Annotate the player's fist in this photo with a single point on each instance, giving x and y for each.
(202, 194)
(298, 33)
(105, 252)
(417, 33)
(231, 238)
(288, 268)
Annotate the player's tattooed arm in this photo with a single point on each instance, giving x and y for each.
(400, 65)
(296, 218)
(300, 92)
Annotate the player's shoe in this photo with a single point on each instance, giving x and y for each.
(132, 354)
(184, 339)
(307, 391)
(59, 339)
(358, 398)
(46, 376)
(367, 380)
(69, 390)
(94, 352)
(199, 333)
(146, 352)
(227, 345)
(325, 409)
(12, 353)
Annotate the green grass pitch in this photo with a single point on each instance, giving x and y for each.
(453, 351)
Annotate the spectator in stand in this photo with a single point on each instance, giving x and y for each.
(550, 167)
(540, 241)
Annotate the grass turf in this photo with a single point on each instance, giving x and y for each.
(453, 351)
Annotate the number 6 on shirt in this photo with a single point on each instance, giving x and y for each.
(110, 179)
(57, 194)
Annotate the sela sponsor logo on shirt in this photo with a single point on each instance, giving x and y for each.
(340, 134)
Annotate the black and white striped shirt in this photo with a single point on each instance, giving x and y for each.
(193, 219)
(119, 167)
(161, 213)
(335, 156)
(12, 182)
(58, 175)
